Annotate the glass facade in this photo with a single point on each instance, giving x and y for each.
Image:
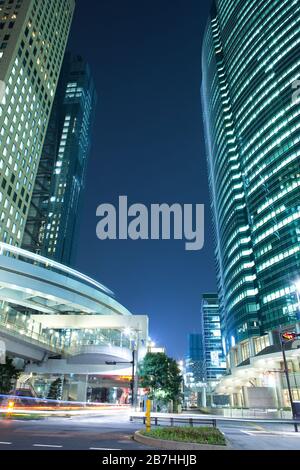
(215, 362)
(250, 62)
(33, 37)
(51, 224)
(195, 359)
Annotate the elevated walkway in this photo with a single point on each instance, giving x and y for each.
(50, 310)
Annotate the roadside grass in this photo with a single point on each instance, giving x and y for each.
(198, 435)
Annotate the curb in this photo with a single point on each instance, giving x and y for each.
(175, 445)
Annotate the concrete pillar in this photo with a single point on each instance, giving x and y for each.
(278, 389)
(239, 354)
(203, 397)
(271, 338)
(82, 389)
(251, 347)
(66, 388)
(239, 399)
(245, 397)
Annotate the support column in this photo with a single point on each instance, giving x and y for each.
(203, 397)
(251, 347)
(66, 388)
(239, 353)
(239, 399)
(245, 396)
(279, 390)
(231, 398)
(82, 389)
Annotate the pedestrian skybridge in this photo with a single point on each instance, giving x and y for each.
(48, 309)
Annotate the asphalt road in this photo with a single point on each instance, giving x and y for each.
(103, 432)
(113, 431)
(261, 437)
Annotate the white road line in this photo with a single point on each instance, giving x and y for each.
(101, 448)
(5, 443)
(246, 432)
(46, 445)
(270, 433)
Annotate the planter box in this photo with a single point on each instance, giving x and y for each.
(174, 445)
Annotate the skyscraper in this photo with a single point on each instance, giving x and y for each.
(51, 224)
(195, 359)
(250, 62)
(33, 37)
(215, 362)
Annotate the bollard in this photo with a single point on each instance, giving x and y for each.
(148, 416)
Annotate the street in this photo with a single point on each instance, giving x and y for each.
(112, 430)
(108, 431)
(245, 436)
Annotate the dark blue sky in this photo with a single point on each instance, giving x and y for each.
(148, 145)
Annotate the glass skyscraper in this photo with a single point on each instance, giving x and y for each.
(215, 362)
(33, 37)
(250, 62)
(195, 359)
(53, 217)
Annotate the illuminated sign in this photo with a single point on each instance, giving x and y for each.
(288, 336)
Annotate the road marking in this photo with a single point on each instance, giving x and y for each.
(246, 432)
(46, 445)
(270, 433)
(101, 448)
(5, 443)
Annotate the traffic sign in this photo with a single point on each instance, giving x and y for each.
(288, 336)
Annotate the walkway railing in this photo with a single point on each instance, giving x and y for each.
(51, 265)
(157, 419)
(23, 326)
(28, 329)
(178, 419)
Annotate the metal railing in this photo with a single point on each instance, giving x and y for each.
(51, 265)
(173, 420)
(27, 329)
(193, 421)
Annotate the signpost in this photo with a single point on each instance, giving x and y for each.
(286, 337)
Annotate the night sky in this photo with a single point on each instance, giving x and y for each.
(147, 144)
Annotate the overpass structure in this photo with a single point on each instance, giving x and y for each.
(63, 323)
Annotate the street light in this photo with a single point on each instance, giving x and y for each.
(114, 363)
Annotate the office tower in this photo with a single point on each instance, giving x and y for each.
(215, 362)
(54, 212)
(195, 359)
(33, 37)
(250, 63)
